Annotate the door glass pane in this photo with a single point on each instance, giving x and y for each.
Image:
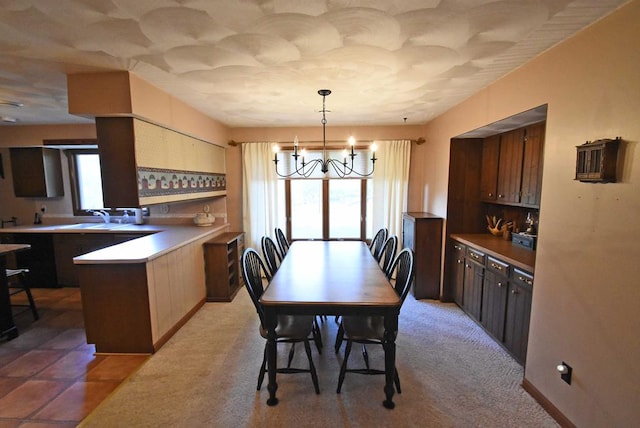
(89, 181)
(306, 209)
(344, 209)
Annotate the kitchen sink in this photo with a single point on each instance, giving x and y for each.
(101, 226)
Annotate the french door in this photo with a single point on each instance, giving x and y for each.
(334, 209)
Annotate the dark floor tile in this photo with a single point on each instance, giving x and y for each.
(29, 397)
(31, 363)
(72, 366)
(67, 339)
(76, 402)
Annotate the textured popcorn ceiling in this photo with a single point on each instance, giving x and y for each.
(261, 62)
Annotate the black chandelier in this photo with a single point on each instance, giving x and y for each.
(342, 168)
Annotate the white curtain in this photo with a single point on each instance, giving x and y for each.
(390, 185)
(260, 193)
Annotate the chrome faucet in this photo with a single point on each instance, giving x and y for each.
(105, 215)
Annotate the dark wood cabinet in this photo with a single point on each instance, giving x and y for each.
(222, 260)
(69, 245)
(510, 166)
(39, 259)
(494, 297)
(457, 268)
(422, 232)
(597, 161)
(532, 165)
(489, 175)
(495, 293)
(473, 279)
(37, 172)
(116, 144)
(518, 311)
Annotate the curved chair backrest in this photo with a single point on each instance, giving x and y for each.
(377, 242)
(252, 269)
(387, 254)
(404, 269)
(271, 254)
(283, 243)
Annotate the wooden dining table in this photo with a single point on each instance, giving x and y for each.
(331, 278)
(7, 326)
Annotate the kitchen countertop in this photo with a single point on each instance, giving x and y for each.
(520, 257)
(158, 240)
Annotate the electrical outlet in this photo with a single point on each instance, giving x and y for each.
(565, 371)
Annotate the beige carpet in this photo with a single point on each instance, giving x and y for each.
(452, 375)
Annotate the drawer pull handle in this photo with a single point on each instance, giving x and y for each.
(459, 261)
(500, 284)
(514, 292)
(525, 280)
(495, 266)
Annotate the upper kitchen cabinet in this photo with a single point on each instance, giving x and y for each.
(37, 172)
(489, 178)
(512, 167)
(144, 164)
(532, 165)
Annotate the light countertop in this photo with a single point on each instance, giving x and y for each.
(155, 241)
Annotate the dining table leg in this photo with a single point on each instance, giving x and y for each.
(389, 345)
(271, 321)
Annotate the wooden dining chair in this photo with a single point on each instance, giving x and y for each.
(283, 242)
(17, 283)
(388, 254)
(370, 329)
(271, 254)
(386, 260)
(290, 328)
(377, 242)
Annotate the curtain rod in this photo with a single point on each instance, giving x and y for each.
(418, 141)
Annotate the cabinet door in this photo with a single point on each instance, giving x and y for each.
(458, 272)
(37, 172)
(408, 232)
(489, 171)
(510, 166)
(472, 294)
(532, 165)
(39, 259)
(494, 303)
(516, 334)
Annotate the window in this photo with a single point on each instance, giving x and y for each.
(86, 181)
(327, 209)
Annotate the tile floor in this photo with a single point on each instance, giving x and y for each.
(49, 375)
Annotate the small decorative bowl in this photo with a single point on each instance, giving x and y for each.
(204, 219)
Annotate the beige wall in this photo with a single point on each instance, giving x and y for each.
(586, 295)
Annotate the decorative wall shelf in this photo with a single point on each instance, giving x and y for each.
(596, 161)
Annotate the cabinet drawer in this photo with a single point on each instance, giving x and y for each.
(459, 250)
(522, 278)
(475, 255)
(497, 266)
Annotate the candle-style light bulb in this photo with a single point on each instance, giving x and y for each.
(352, 141)
(303, 153)
(275, 149)
(344, 155)
(374, 147)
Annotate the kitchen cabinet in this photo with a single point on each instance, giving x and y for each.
(223, 257)
(494, 297)
(489, 174)
(597, 160)
(37, 172)
(473, 279)
(532, 165)
(422, 232)
(69, 245)
(518, 311)
(458, 268)
(497, 290)
(510, 166)
(39, 259)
